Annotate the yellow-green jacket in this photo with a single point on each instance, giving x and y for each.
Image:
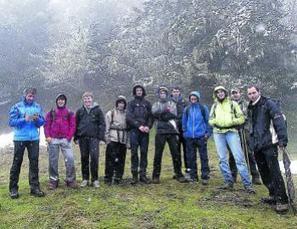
(225, 116)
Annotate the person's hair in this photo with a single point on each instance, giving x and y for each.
(254, 86)
(87, 94)
(31, 90)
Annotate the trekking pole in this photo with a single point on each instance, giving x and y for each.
(245, 149)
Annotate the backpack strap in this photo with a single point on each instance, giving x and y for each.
(53, 114)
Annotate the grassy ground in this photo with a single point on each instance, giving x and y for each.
(167, 205)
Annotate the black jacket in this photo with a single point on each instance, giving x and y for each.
(180, 106)
(165, 112)
(260, 117)
(139, 112)
(90, 124)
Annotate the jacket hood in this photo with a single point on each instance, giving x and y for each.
(61, 96)
(195, 93)
(121, 98)
(138, 86)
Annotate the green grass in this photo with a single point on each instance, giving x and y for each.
(167, 205)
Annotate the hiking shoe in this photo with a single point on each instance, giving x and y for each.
(181, 179)
(204, 181)
(52, 184)
(117, 181)
(96, 184)
(37, 192)
(281, 207)
(256, 181)
(227, 186)
(250, 190)
(144, 179)
(156, 180)
(84, 183)
(71, 184)
(268, 200)
(14, 194)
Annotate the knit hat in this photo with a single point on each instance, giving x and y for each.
(163, 88)
(194, 93)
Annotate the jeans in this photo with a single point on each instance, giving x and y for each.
(115, 160)
(53, 149)
(33, 155)
(160, 141)
(89, 148)
(192, 145)
(139, 139)
(270, 173)
(231, 139)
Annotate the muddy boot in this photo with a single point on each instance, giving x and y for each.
(52, 184)
(143, 179)
(37, 192)
(134, 179)
(281, 208)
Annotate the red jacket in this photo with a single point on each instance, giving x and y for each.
(60, 123)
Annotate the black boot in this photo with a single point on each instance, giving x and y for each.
(144, 179)
(134, 179)
(14, 194)
(37, 192)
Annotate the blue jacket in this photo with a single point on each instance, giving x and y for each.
(193, 122)
(25, 131)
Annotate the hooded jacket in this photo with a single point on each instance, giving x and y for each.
(261, 115)
(195, 121)
(139, 111)
(23, 130)
(90, 123)
(225, 115)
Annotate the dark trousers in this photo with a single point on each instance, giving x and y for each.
(115, 160)
(251, 158)
(182, 149)
(270, 173)
(160, 141)
(89, 149)
(141, 140)
(192, 145)
(33, 155)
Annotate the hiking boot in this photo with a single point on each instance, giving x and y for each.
(52, 184)
(204, 181)
(156, 180)
(256, 181)
(84, 183)
(14, 194)
(281, 207)
(227, 186)
(144, 179)
(187, 175)
(134, 179)
(268, 200)
(117, 181)
(250, 190)
(96, 184)
(181, 179)
(37, 192)
(71, 184)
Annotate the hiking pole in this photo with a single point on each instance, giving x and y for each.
(289, 180)
(245, 149)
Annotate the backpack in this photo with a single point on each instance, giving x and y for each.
(202, 109)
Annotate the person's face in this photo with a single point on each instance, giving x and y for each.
(30, 97)
(175, 93)
(235, 95)
(253, 94)
(121, 105)
(163, 95)
(61, 102)
(193, 99)
(221, 94)
(139, 91)
(88, 101)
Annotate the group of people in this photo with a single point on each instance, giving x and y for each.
(242, 133)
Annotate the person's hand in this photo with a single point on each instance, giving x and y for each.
(48, 139)
(101, 142)
(281, 147)
(146, 129)
(27, 118)
(75, 141)
(206, 136)
(141, 128)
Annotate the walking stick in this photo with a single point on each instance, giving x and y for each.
(289, 180)
(245, 148)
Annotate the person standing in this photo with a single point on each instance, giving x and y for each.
(116, 137)
(196, 132)
(90, 130)
(225, 117)
(139, 121)
(244, 139)
(264, 116)
(165, 112)
(177, 98)
(26, 118)
(59, 129)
